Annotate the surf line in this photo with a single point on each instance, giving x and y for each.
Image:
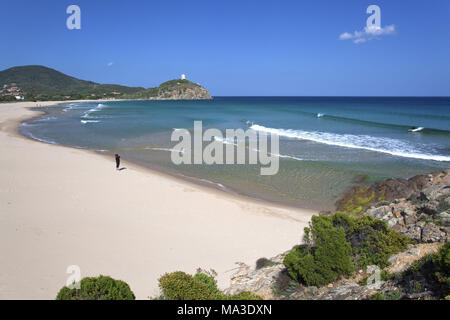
(213, 153)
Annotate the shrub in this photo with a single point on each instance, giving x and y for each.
(283, 284)
(441, 260)
(327, 260)
(389, 295)
(305, 269)
(245, 295)
(100, 288)
(373, 242)
(182, 286)
(336, 243)
(430, 273)
(208, 280)
(264, 263)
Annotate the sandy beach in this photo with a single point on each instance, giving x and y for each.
(61, 206)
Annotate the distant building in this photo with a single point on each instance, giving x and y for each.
(183, 77)
(20, 97)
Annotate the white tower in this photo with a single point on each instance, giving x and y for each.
(183, 77)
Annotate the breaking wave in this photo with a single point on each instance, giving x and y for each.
(377, 144)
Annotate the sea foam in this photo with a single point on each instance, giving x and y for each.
(377, 144)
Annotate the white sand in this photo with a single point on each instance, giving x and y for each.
(61, 206)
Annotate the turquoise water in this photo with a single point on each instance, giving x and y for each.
(326, 144)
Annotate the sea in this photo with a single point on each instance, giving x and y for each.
(327, 144)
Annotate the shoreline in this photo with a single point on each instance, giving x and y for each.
(171, 174)
(53, 216)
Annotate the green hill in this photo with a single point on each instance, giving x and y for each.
(42, 83)
(173, 90)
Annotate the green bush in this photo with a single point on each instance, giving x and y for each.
(431, 273)
(245, 295)
(389, 295)
(441, 260)
(303, 268)
(264, 263)
(325, 261)
(99, 288)
(442, 257)
(182, 286)
(373, 242)
(208, 280)
(336, 244)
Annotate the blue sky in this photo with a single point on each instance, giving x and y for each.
(237, 47)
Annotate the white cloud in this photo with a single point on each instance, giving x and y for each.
(110, 64)
(368, 33)
(345, 36)
(359, 40)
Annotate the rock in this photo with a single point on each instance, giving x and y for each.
(379, 212)
(403, 260)
(416, 296)
(180, 90)
(447, 201)
(413, 251)
(444, 217)
(421, 223)
(410, 220)
(399, 228)
(401, 215)
(392, 222)
(312, 290)
(409, 211)
(347, 291)
(422, 197)
(446, 229)
(392, 189)
(382, 203)
(430, 208)
(432, 233)
(436, 192)
(259, 281)
(397, 214)
(413, 232)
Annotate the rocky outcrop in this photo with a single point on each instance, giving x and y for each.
(401, 261)
(423, 217)
(179, 90)
(257, 280)
(422, 213)
(392, 189)
(272, 282)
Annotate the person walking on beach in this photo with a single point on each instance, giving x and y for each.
(117, 161)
